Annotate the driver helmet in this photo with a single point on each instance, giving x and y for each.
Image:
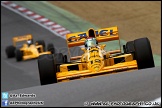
(91, 42)
(29, 42)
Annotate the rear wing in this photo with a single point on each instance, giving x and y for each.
(102, 35)
(21, 38)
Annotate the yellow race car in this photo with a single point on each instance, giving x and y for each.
(23, 48)
(95, 60)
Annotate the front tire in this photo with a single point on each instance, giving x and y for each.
(65, 59)
(47, 69)
(143, 53)
(19, 55)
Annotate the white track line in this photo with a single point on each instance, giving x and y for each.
(57, 29)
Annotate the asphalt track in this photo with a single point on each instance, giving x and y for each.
(144, 85)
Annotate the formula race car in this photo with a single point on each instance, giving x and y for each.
(23, 48)
(55, 68)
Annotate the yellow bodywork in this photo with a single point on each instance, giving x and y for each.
(100, 66)
(29, 52)
(95, 61)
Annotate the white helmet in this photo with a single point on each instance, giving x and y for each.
(91, 42)
(29, 41)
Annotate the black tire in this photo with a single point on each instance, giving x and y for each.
(65, 59)
(47, 69)
(50, 47)
(10, 51)
(41, 42)
(59, 58)
(19, 55)
(130, 48)
(143, 53)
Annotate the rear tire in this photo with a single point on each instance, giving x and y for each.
(10, 51)
(143, 53)
(130, 48)
(41, 42)
(19, 55)
(51, 48)
(47, 69)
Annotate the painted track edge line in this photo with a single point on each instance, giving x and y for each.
(15, 8)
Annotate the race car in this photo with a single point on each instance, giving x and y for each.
(95, 60)
(23, 48)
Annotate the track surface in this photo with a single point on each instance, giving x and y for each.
(144, 85)
(17, 75)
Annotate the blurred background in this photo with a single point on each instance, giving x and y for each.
(135, 19)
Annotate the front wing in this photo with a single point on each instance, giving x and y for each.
(120, 67)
